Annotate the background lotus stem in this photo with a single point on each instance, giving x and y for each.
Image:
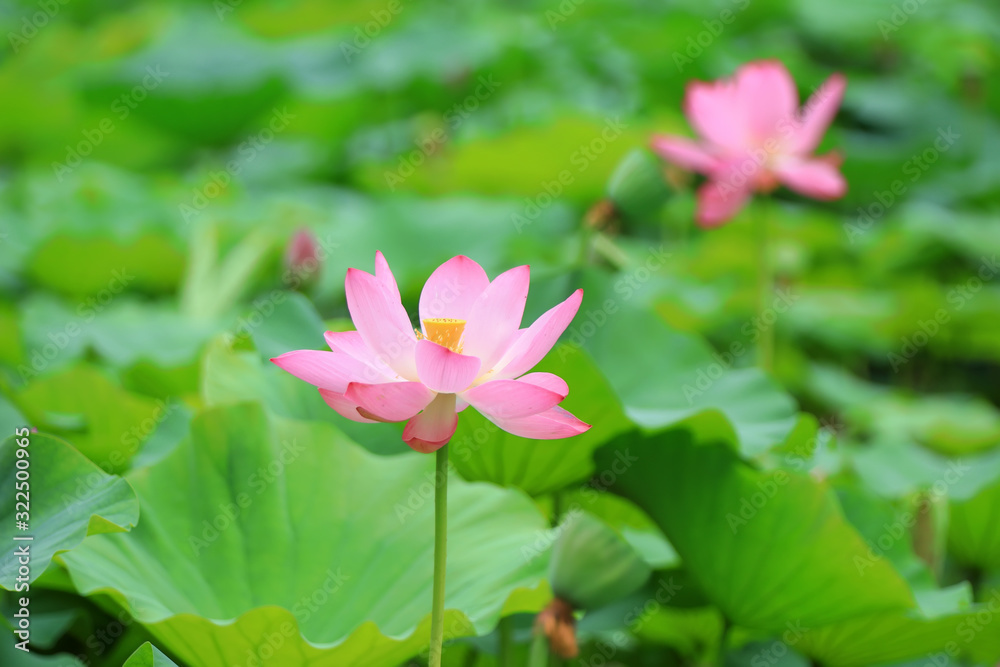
(506, 628)
(539, 651)
(556, 508)
(765, 288)
(440, 555)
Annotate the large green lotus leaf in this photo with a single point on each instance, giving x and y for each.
(592, 565)
(10, 417)
(894, 468)
(482, 451)
(173, 428)
(69, 498)
(936, 628)
(300, 547)
(663, 377)
(631, 522)
(974, 529)
(774, 653)
(53, 613)
(148, 655)
(765, 547)
(129, 332)
(104, 421)
(13, 657)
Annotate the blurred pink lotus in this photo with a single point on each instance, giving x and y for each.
(469, 351)
(302, 259)
(754, 136)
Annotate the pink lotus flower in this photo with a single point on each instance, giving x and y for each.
(754, 137)
(469, 351)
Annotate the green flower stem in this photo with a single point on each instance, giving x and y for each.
(506, 629)
(440, 555)
(539, 651)
(765, 290)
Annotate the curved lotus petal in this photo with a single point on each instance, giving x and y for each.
(510, 399)
(382, 322)
(351, 343)
(818, 113)
(549, 425)
(326, 370)
(535, 342)
(452, 289)
(496, 316)
(384, 275)
(432, 428)
(344, 406)
(710, 109)
(445, 370)
(470, 351)
(549, 381)
(718, 202)
(767, 97)
(391, 401)
(685, 153)
(817, 178)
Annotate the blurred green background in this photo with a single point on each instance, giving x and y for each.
(157, 158)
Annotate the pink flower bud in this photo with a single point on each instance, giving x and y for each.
(302, 259)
